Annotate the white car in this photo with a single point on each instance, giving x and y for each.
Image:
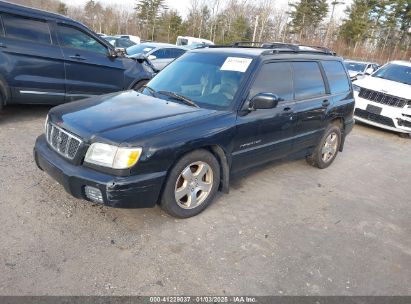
(160, 54)
(135, 39)
(188, 41)
(384, 98)
(359, 69)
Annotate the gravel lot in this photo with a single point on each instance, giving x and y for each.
(285, 228)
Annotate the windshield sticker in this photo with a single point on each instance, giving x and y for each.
(236, 64)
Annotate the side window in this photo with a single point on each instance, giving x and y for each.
(26, 29)
(337, 78)
(177, 53)
(308, 81)
(276, 78)
(74, 38)
(161, 53)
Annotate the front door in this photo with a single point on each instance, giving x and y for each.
(89, 69)
(264, 135)
(31, 61)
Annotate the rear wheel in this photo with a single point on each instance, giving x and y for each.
(191, 184)
(327, 149)
(139, 85)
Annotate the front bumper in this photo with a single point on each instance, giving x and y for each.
(139, 191)
(391, 118)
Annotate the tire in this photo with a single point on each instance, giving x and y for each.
(139, 85)
(402, 135)
(326, 151)
(191, 184)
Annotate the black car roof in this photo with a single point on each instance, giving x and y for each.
(32, 12)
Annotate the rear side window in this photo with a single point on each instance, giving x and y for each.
(308, 81)
(74, 38)
(26, 29)
(337, 78)
(274, 78)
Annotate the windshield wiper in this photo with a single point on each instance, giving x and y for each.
(182, 98)
(151, 90)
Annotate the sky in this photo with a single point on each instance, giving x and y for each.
(182, 5)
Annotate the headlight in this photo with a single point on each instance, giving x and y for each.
(112, 156)
(356, 88)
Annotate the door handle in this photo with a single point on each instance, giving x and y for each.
(287, 109)
(77, 57)
(326, 103)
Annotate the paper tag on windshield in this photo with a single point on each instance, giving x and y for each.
(236, 64)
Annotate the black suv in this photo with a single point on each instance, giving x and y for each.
(211, 113)
(48, 58)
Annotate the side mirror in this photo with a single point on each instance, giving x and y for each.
(152, 57)
(369, 71)
(112, 53)
(264, 101)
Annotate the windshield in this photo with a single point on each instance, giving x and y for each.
(124, 43)
(355, 66)
(395, 72)
(210, 80)
(139, 48)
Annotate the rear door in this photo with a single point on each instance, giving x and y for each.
(311, 103)
(339, 86)
(264, 135)
(31, 60)
(89, 68)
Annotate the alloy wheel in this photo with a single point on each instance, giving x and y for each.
(193, 185)
(330, 147)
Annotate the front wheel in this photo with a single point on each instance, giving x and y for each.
(327, 149)
(191, 185)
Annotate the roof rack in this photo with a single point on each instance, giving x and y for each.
(279, 47)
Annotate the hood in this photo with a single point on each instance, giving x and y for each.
(389, 87)
(353, 73)
(117, 117)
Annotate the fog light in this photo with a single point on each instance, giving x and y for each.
(94, 194)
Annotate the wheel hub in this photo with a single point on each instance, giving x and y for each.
(193, 185)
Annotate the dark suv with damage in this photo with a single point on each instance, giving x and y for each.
(212, 113)
(47, 58)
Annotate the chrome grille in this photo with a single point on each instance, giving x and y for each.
(383, 98)
(62, 142)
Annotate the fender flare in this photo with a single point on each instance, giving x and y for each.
(4, 90)
(224, 167)
(130, 87)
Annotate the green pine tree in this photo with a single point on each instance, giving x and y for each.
(148, 11)
(306, 16)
